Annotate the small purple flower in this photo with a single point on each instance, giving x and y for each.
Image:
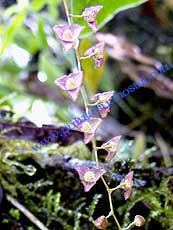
(68, 35)
(90, 15)
(126, 185)
(139, 221)
(102, 100)
(97, 53)
(89, 176)
(102, 97)
(89, 127)
(71, 83)
(111, 146)
(101, 222)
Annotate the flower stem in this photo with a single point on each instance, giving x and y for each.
(83, 91)
(112, 209)
(95, 152)
(86, 57)
(76, 16)
(129, 227)
(67, 11)
(85, 100)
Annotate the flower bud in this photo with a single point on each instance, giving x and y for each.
(101, 222)
(139, 221)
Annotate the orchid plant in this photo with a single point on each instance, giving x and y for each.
(73, 85)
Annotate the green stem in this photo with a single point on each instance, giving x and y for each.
(94, 104)
(129, 227)
(95, 152)
(86, 57)
(67, 11)
(76, 16)
(112, 209)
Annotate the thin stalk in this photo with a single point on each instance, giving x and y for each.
(27, 213)
(95, 152)
(67, 11)
(129, 227)
(86, 57)
(94, 104)
(83, 91)
(76, 16)
(112, 209)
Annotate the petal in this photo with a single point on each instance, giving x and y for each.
(61, 82)
(89, 51)
(82, 170)
(78, 77)
(74, 93)
(100, 46)
(139, 220)
(76, 30)
(128, 194)
(88, 137)
(129, 177)
(101, 222)
(95, 97)
(59, 30)
(67, 45)
(87, 185)
(98, 61)
(110, 156)
(98, 172)
(104, 112)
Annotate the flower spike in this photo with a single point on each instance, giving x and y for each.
(89, 127)
(97, 53)
(68, 35)
(89, 176)
(111, 146)
(90, 15)
(71, 83)
(126, 185)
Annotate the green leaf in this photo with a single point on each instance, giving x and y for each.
(110, 9)
(41, 34)
(16, 23)
(38, 4)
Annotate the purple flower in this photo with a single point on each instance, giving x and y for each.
(90, 15)
(139, 221)
(89, 176)
(97, 53)
(103, 102)
(102, 97)
(126, 185)
(111, 146)
(68, 35)
(89, 127)
(101, 222)
(71, 83)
